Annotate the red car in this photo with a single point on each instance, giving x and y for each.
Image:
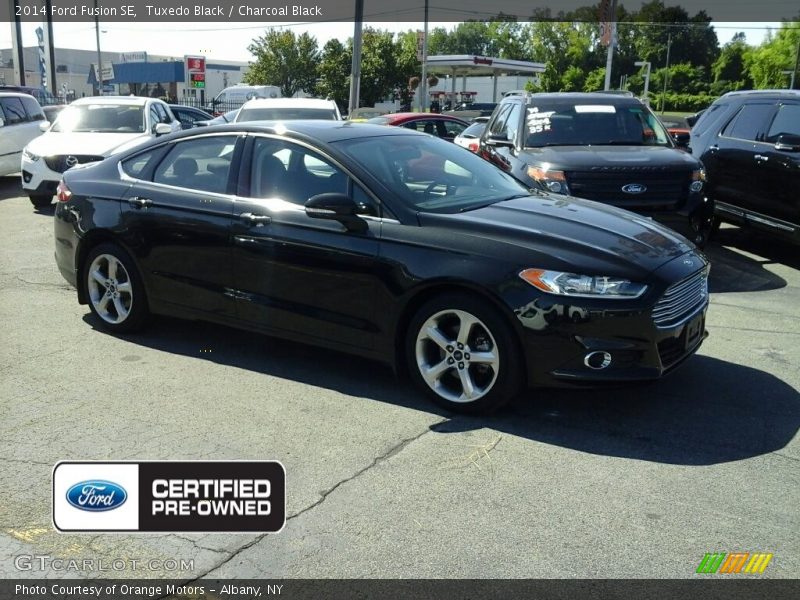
(443, 126)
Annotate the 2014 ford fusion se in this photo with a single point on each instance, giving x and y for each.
(387, 244)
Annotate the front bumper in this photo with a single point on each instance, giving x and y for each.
(38, 178)
(574, 341)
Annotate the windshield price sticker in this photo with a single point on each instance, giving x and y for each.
(212, 496)
(539, 121)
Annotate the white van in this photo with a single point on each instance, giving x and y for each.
(233, 97)
(20, 117)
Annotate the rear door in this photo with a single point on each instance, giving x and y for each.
(177, 218)
(732, 160)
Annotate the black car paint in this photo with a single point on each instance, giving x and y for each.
(753, 181)
(313, 281)
(609, 166)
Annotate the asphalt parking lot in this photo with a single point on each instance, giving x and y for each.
(626, 483)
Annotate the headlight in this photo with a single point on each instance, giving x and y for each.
(588, 286)
(698, 180)
(549, 179)
(30, 155)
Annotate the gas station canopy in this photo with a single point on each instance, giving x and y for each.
(463, 65)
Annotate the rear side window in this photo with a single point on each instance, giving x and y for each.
(749, 123)
(201, 164)
(136, 165)
(33, 109)
(786, 122)
(13, 110)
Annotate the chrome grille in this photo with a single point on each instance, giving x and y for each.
(682, 299)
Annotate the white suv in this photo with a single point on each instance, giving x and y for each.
(20, 116)
(89, 130)
(288, 109)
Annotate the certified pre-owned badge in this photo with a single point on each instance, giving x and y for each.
(192, 496)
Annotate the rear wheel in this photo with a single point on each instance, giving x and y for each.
(40, 200)
(114, 289)
(461, 353)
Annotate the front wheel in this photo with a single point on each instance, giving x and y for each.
(114, 289)
(461, 353)
(40, 200)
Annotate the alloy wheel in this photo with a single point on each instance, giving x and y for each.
(110, 289)
(457, 356)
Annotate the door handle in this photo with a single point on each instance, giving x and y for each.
(255, 219)
(140, 202)
(761, 158)
(713, 148)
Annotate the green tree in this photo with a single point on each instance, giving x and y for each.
(334, 73)
(380, 76)
(776, 54)
(285, 60)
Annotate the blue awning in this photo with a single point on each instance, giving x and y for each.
(144, 72)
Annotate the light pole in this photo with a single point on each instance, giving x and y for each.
(666, 74)
(645, 63)
(423, 84)
(355, 76)
(99, 71)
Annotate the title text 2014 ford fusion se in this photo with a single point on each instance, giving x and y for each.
(385, 243)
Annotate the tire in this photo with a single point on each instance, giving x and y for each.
(40, 200)
(114, 289)
(455, 380)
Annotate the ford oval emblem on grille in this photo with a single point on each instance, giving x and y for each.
(71, 161)
(96, 495)
(634, 188)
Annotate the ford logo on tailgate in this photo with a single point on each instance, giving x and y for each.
(634, 188)
(96, 496)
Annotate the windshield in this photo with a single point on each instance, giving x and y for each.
(430, 174)
(101, 118)
(285, 114)
(575, 124)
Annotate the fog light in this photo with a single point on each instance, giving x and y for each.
(597, 360)
(696, 186)
(26, 177)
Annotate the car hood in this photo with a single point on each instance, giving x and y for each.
(100, 144)
(593, 158)
(565, 233)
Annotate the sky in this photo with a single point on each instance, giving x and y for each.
(229, 41)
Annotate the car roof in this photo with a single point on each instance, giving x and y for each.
(5, 94)
(288, 103)
(135, 100)
(402, 117)
(767, 93)
(321, 130)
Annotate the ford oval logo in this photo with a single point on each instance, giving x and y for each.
(634, 188)
(96, 495)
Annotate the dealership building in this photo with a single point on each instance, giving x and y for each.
(124, 73)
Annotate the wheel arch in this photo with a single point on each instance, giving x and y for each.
(438, 288)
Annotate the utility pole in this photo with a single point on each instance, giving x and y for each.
(99, 71)
(18, 49)
(612, 23)
(51, 50)
(423, 85)
(645, 63)
(666, 74)
(355, 77)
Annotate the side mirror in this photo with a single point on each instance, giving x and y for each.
(788, 143)
(334, 206)
(499, 139)
(162, 128)
(44, 126)
(681, 140)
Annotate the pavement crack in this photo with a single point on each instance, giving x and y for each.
(58, 286)
(25, 462)
(197, 545)
(786, 456)
(713, 326)
(393, 451)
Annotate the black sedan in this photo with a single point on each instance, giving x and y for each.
(384, 243)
